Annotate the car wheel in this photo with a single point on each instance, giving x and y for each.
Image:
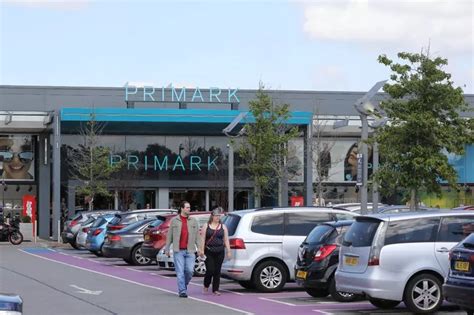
(340, 296)
(317, 293)
(137, 257)
(384, 304)
(423, 294)
(247, 284)
(74, 244)
(269, 276)
(199, 268)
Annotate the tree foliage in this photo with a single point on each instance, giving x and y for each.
(425, 124)
(89, 163)
(265, 148)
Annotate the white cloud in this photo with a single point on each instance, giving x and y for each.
(403, 24)
(50, 4)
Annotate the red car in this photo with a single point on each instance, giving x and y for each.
(155, 237)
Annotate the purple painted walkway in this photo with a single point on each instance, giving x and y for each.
(247, 303)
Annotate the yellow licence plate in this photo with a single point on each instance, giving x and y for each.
(351, 261)
(301, 274)
(147, 237)
(461, 265)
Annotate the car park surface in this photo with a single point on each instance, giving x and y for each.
(145, 288)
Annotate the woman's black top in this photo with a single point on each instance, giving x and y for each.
(215, 243)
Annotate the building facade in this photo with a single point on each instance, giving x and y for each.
(171, 145)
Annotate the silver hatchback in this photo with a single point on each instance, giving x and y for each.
(401, 257)
(265, 242)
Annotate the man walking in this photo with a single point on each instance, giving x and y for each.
(184, 234)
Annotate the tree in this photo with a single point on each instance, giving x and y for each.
(425, 124)
(89, 162)
(265, 148)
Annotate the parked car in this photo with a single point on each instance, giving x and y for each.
(464, 208)
(404, 208)
(167, 263)
(318, 257)
(401, 257)
(82, 233)
(355, 207)
(123, 219)
(71, 227)
(264, 243)
(96, 234)
(11, 304)
(127, 243)
(459, 285)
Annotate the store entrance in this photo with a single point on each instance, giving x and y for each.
(196, 198)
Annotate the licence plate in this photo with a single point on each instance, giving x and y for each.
(351, 261)
(147, 237)
(461, 265)
(301, 274)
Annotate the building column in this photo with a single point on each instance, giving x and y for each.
(308, 165)
(207, 200)
(44, 186)
(56, 177)
(163, 198)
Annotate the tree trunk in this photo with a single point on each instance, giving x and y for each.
(413, 200)
(257, 197)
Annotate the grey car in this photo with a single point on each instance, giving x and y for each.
(127, 243)
(401, 257)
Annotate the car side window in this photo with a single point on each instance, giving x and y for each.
(269, 224)
(412, 231)
(301, 223)
(455, 229)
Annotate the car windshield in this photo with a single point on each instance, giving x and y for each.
(135, 225)
(100, 221)
(156, 223)
(319, 233)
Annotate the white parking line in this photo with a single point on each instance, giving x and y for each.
(271, 300)
(132, 269)
(137, 283)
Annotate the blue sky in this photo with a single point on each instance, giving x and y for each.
(288, 45)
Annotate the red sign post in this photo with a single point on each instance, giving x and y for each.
(29, 209)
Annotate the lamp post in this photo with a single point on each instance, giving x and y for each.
(227, 130)
(365, 108)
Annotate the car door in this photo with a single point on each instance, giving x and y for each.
(453, 229)
(298, 224)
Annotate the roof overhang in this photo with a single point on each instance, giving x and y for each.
(25, 121)
(162, 121)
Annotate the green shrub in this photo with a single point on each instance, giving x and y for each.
(26, 219)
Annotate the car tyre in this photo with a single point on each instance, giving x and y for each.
(423, 294)
(383, 304)
(270, 276)
(340, 296)
(74, 244)
(247, 284)
(137, 258)
(317, 293)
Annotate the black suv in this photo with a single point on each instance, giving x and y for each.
(317, 261)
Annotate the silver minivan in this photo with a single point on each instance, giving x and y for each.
(401, 257)
(265, 242)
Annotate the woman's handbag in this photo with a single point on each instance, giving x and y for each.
(212, 236)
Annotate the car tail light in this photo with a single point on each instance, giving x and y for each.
(471, 259)
(72, 223)
(155, 232)
(85, 230)
(97, 232)
(114, 238)
(237, 243)
(324, 252)
(116, 227)
(378, 242)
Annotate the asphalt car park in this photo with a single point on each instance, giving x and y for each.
(292, 299)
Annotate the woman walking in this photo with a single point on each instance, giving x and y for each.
(215, 239)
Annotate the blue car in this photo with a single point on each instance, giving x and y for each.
(96, 234)
(459, 285)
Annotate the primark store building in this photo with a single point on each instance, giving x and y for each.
(170, 146)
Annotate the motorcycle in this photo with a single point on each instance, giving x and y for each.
(10, 232)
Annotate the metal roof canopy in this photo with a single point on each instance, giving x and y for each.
(162, 121)
(25, 121)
